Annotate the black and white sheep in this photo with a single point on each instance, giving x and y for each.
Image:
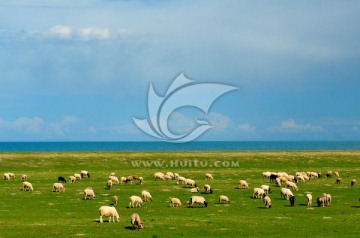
(198, 200)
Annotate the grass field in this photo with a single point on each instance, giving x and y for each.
(43, 213)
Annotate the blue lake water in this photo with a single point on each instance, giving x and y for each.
(165, 146)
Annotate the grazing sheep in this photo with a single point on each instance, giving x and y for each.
(353, 182)
(328, 199)
(328, 174)
(131, 178)
(223, 198)
(109, 184)
(243, 184)
(278, 182)
(313, 175)
(176, 175)
(72, 179)
(190, 183)
(282, 174)
(112, 174)
(26, 186)
(300, 178)
(115, 200)
(109, 212)
(258, 193)
(61, 179)
(292, 201)
(266, 188)
(308, 199)
(336, 173)
(198, 200)
(146, 196)
(6, 176)
(170, 175)
(135, 201)
(286, 193)
(266, 175)
(84, 174)
(135, 221)
(167, 177)
(141, 180)
(208, 189)
(123, 180)
(175, 202)
(188, 203)
(209, 176)
(338, 180)
(114, 179)
(23, 178)
(89, 192)
(291, 185)
(181, 179)
(267, 201)
(195, 190)
(283, 179)
(77, 176)
(273, 177)
(159, 176)
(321, 201)
(58, 187)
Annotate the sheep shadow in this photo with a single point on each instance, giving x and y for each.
(262, 208)
(129, 228)
(355, 206)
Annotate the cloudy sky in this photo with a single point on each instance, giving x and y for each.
(81, 70)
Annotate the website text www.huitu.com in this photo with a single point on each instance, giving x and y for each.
(184, 164)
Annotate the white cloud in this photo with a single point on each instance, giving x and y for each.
(61, 127)
(29, 125)
(61, 31)
(246, 127)
(290, 125)
(219, 121)
(85, 33)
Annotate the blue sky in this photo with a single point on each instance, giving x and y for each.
(80, 70)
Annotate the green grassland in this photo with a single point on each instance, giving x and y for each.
(42, 213)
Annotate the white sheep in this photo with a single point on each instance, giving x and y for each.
(286, 193)
(58, 187)
(109, 212)
(243, 184)
(176, 175)
(26, 186)
(72, 179)
(181, 179)
(123, 180)
(267, 201)
(223, 198)
(258, 193)
(141, 180)
(266, 188)
(146, 196)
(175, 202)
(328, 199)
(135, 201)
(170, 175)
(11, 175)
(114, 179)
(208, 189)
(321, 201)
(77, 176)
(167, 177)
(159, 176)
(308, 199)
(291, 185)
(194, 190)
(266, 175)
(89, 192)
(115, 200)
(109, 184)
(6, 176)
(23, 177)
(198, 200)
(112, 174)
(135, 221)
(209, 176)
(336, 173)
(190, 183)
(84, 174)
(278, 182)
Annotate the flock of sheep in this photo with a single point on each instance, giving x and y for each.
(288, 183)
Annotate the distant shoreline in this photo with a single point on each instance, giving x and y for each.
(153, 146)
